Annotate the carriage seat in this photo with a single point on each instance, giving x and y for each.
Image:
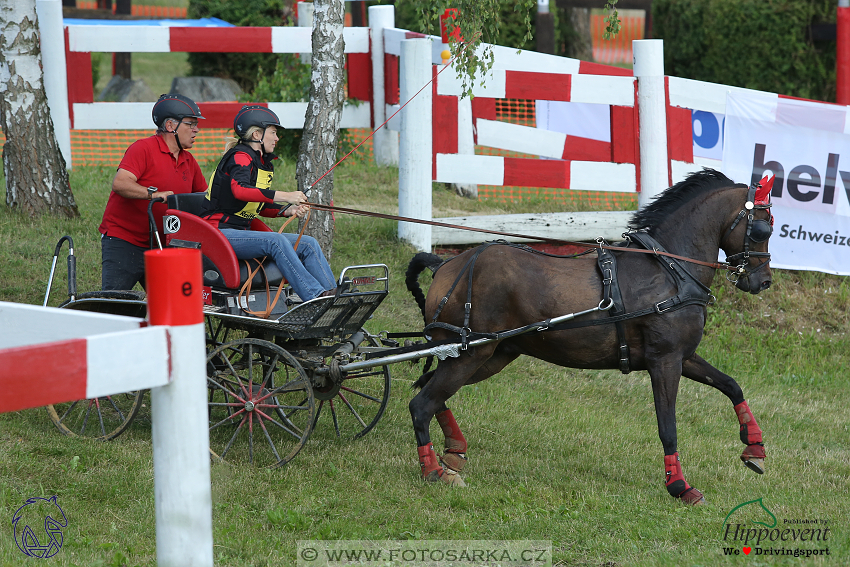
(221, 267)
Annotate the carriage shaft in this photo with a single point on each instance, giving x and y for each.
(453, 349)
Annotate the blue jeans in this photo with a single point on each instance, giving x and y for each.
(306, 269)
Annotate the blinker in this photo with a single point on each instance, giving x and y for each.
(760, 231)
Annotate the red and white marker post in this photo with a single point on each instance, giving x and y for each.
(180, 434)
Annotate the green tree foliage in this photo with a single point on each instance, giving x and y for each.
(290, 82)
(478, 21)
(757, 44)
(514, 22)
(241, 67)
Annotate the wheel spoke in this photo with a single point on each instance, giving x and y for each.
(269, 439)
(232, 439)
(64, 415)
(86, 419)
(353, 411)
(361, 394)
(116, 408)
(99, 416)
(251, 437)
(336, 421)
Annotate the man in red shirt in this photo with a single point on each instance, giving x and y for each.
(152, 167)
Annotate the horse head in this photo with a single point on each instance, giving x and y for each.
(746, 237)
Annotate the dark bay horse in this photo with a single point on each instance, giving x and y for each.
(661, 309)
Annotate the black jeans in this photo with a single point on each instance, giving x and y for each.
(122, 264)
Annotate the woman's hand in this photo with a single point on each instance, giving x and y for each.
(297, 211)
(294, 198)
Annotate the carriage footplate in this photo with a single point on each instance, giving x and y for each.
(361, 291)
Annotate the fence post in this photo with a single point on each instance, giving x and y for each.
(415, 160)
(652, 116)
(465, 144)
(385, 141)
(52, 39)
(181, 456)
(305, 20)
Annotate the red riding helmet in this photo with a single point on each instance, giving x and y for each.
(174, 106)
(254, 115)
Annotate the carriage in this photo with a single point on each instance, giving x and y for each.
(271, 379)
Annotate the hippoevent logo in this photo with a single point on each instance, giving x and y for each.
(751, 529)
(46, 539)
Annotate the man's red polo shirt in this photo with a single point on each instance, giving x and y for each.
(153, 164)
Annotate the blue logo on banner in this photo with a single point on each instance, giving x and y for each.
(39, 512)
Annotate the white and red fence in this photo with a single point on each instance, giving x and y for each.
(651, 133)
(82, 40)
(50, 356)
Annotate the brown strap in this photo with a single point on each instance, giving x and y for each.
(303, 227)
(246, 287)
(715, 265)
(245, 290)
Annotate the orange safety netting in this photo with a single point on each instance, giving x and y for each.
(618, 49)
(147, 11)
(107, 147)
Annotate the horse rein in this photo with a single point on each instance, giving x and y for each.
(737, 269)
(245, 290)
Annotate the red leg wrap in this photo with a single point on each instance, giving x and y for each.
(674, 479)
(431, 469)
(455, 441)
(750, 430)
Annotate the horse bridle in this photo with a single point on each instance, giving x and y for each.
(758, 230)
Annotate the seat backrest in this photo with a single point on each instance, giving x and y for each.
(192, 203)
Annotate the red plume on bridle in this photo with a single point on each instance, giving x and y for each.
(762, 196)
(763, 190)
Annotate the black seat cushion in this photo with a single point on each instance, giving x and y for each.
(189, 202)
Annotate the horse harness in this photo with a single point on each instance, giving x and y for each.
(757, 230)
(690, 292)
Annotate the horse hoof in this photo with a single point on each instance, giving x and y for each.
(433, 476)
(451, 478)
(453, 461)
(693, 497)
(755, 464)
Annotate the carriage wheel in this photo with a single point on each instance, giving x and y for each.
(106, 417)
(97, 418)
(355, 404)
(261, 404)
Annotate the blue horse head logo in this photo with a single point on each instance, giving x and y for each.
(34, 511)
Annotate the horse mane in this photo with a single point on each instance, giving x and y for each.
(666, 203)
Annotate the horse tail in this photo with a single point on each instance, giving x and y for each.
(417, 265)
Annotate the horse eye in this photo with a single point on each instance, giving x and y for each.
(761, 231)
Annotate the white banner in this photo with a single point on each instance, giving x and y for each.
(803, 144)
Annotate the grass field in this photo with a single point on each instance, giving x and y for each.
(555, 454)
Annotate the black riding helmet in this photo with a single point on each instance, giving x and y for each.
(254, 115)
(174, 106)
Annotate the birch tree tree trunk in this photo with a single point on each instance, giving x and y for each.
(324, 111)
(36, 175)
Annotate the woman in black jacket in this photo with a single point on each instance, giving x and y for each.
(239, 190)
